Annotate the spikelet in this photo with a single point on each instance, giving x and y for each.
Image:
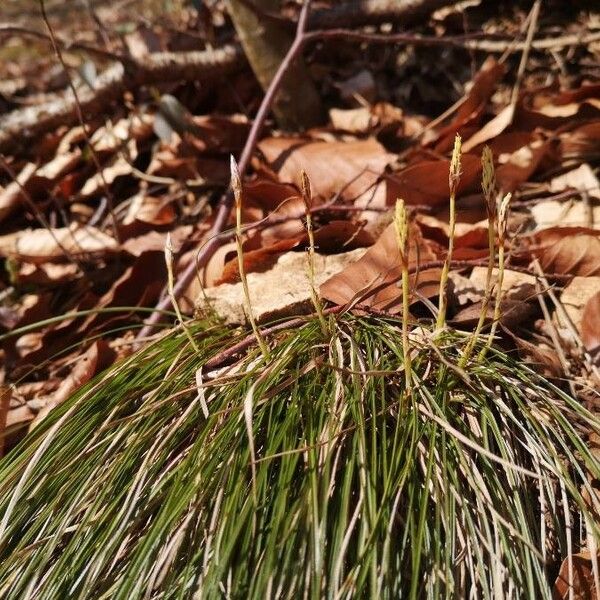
(503, 217)
(453, 181)
(401, 226)
(455, 165)
(488, 182)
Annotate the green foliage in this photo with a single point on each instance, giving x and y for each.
(469, 484)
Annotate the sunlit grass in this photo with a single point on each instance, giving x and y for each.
(358, 489)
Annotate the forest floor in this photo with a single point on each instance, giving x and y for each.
(86, 207)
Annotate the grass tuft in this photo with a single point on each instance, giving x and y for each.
(336, 486)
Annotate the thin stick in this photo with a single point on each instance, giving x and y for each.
(468, 42)
(535, 13)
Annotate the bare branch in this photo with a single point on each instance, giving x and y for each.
(358, 13)
(10, 29)
(112, 83)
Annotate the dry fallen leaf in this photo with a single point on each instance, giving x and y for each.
(466, 235)
(543, 358)
(491, 129)
(259, 260)
(118, 167)
(46, 274)
(10, 196)
(147, 213)
(553, 110)
(574, 297)
(353, 120)
(33, 348)
(139, 285)
(155, 241)
(509, 142)
(581, 142)
(474, 104)
(282, 207)
(41, 245)
(373, 279)
(350, 168)
(516, 168)
(365, 118)
(512, 314)
(114, 136)
(149, 209)
(590, 323)
(29, 309)
(183, 162)
(426, 183)
(219, 133)
(582, 586)
(19, 416)
(564, 250)
(582, 179)
(569, 213)
(269, 195)
(517, 305)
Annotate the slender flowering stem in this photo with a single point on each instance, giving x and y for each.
(170, 285)
(502, 226)
(401, 226)
(488, 185)
(454, 179)
(307, 198)
(236, 186)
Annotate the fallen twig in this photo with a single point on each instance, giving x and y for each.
(110, 85)
(371, 12)
(356, 13)
(11, 29)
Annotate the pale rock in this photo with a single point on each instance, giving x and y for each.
(514, 283)
(282, 291)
